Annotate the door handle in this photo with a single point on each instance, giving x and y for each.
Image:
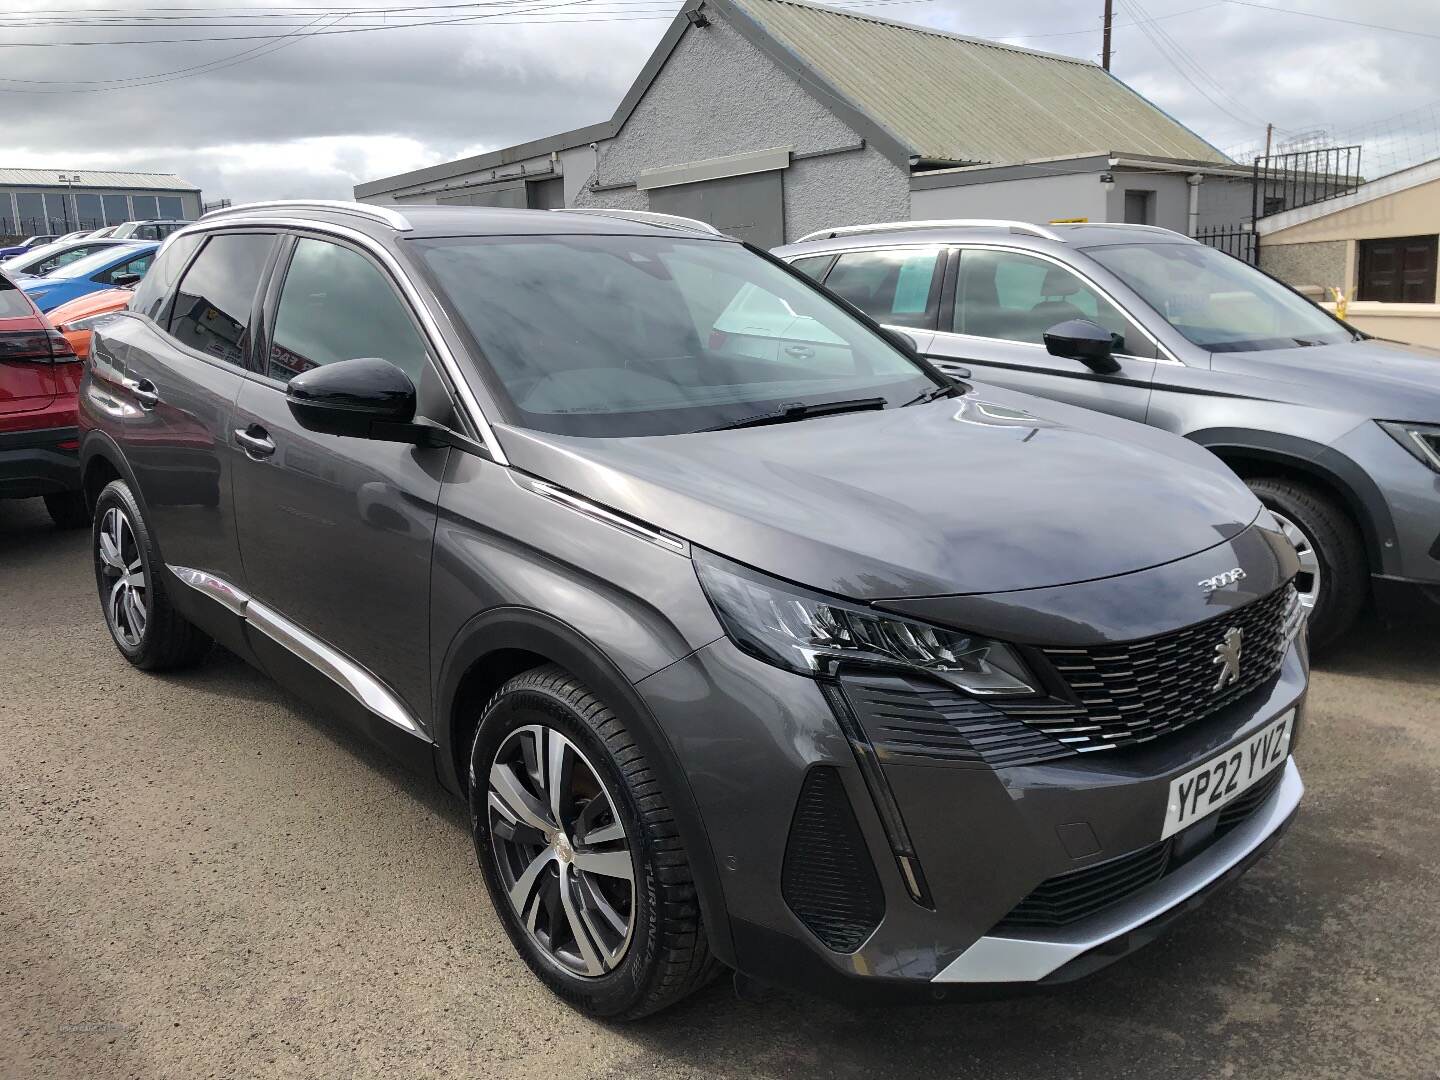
(800, 352)
(145, 392)
(256, 441)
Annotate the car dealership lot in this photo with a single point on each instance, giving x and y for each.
(199, 877)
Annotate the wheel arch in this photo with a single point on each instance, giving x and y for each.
(1264, 453)
(101, 461)
(500, 643)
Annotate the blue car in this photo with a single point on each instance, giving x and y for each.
(122, 264)
(28, 244)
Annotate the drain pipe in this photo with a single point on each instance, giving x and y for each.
(1194, 180)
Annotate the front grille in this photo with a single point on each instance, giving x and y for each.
(1136, 692)
(1068, 898)
(827, 878)
(912, 722)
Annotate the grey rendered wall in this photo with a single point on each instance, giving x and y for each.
(719, 95)
(1038, 199)
(1170, 205)
(1310, 268)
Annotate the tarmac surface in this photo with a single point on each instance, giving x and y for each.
(200, 877)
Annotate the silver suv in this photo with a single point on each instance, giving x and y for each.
(1336, 432)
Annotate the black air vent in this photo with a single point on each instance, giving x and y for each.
(828, 879)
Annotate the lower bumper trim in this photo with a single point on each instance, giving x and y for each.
(1028, 959)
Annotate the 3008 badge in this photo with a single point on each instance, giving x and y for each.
(1208, 787)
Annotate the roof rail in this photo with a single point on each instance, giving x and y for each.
(383, 214)
(649, 217)
(939, 223)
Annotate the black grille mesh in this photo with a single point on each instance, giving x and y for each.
(828, 879)
(1140, 691)
(910, 722)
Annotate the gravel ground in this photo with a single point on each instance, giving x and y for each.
(199, 877)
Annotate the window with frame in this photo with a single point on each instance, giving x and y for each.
(214, 302)
(897, 286)
(1398, 269)
(137, 266)
(813, 266)
(338, 305)
(1018, 297)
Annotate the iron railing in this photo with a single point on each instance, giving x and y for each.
(1236, 240)
(1302, 178)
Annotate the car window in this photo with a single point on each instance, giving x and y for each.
(138, 265)
(213, 304)
(614, 336)
(813, 266)
(1217, 301)
(893, 286)
(337, 305)
(13, 304)
(100, 260)
(1017, 297)
(150, 294)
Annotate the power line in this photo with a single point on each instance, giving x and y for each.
(1333, 18)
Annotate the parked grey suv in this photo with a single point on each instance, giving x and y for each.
(812, 664)
(1337, 433)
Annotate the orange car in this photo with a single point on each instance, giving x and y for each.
(75, 319)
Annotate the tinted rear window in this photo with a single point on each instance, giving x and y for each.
(13, 304)
(214, 302)
(150, 294)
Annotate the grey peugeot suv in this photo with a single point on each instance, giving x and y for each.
(1337, 433)
(814, 664)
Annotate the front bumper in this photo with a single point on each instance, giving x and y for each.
(748, 735)
(42, 462)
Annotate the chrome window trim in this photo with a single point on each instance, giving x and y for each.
(339, 668)
(608, 517)
(469, 404)
(994, 959)
(1167, 355)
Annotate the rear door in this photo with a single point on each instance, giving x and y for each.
(181, 363)
(997, 306)
(336, 533)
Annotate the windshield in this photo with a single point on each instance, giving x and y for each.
(58, 254)
(99, 260)
(1216, 301)
(649, 335)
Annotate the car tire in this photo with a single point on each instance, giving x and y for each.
(1327, 531)
(67, 509)
(146, 629)
(608, 788)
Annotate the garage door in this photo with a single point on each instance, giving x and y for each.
(748, 208)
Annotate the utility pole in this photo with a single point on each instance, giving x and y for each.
(1105, 48)
(1269, 134)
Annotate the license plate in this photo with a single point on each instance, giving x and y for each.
(1225, 777)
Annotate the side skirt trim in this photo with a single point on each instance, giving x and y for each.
(344, 672)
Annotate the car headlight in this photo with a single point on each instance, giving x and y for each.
(1422, 440)
(87, 323)
(811, 633)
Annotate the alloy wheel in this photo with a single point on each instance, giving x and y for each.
(1307, 581)
(123, 574)
(562, 851)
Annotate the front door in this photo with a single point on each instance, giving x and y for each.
(336, 533)
(999, 304)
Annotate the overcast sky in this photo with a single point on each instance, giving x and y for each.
(313, 115)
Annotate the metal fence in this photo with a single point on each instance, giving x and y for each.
(1303, 177)
(218, 204)
(1236, 240)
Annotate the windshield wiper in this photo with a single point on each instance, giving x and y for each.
(934, 394)
(801, 411)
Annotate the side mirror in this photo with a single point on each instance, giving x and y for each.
(1083, 340)
(367, 398)
(125, 281)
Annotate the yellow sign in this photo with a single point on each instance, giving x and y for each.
(1069, 220)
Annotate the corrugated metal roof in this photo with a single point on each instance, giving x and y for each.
(90, 178)
(955, 98)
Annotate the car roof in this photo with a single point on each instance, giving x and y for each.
(420, 221)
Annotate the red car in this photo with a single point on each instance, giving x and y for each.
(39, 376)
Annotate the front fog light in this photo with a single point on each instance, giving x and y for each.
(811, 633)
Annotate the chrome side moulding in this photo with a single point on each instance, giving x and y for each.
(609, 517)
(1031, 958)
(344, 672)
